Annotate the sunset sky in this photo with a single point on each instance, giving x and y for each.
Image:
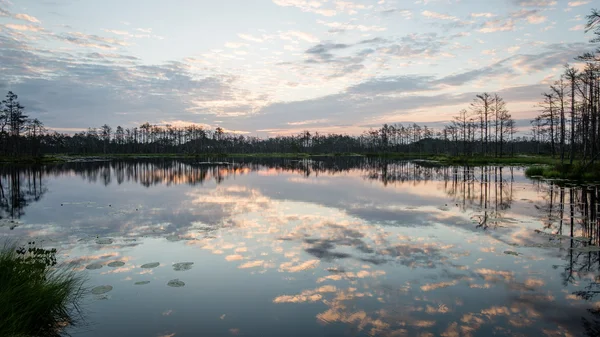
(267, 67)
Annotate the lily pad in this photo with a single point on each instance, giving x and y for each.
(94, 266)
(104, 241)
(173, 238)
(101, 290)
(510, 252)
(182, 266)
(115, 264)
(176, 283)
(150, 265)
(141, 283)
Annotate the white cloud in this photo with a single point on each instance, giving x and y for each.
(249, 37)
(439, 16)
(116, 32)
(536, 19)
(498, 26)
(578, 27)
(290, 35)
(578, 3)
(482, 15)
(306, 6)
(513, 49)
(339, 26)
(235, 45)
(28, 28)
(26, 17)
(536, 3)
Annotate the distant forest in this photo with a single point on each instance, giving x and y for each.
(568, 126)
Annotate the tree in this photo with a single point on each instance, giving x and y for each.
(105, 131)
(13, 110)
(500, 114)
(571, 75)
(482, 106)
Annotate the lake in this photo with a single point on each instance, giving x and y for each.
(321, 247)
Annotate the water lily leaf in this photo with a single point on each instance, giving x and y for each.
(176, 283)
(141, 283)
(182, 266)
(101, 290)
(115, 264)
(94, 266)
(150, 265)
(510, 252)
(104, 241)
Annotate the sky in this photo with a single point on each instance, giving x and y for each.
(275, 67)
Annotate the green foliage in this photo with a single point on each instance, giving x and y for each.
(577, 171)
(535, 171)
(37, 297)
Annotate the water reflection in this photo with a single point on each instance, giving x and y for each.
(361, 246)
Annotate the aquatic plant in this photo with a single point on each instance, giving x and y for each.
(150, 265)
(37, 296)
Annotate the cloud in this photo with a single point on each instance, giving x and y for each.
(439, 16)
(341, 27)
(292, 35)
(577, 27)
(312, 6)
(498, 25)
(249, 37)
(28, 28)
(482, 15)
(116, 32)
(4, 12)
(26, 17)
(536, 19)
(235, 45)
(535, 3)
(402, 12)
(578, 3)
(388, 84)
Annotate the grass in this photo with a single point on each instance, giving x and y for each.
(30, 160)
(37, 298)
(572, 172)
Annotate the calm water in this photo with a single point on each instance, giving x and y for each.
(334, 247)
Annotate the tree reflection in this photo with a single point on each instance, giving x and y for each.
(18, 188)
(580, 226)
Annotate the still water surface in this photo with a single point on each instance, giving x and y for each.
(332, 247)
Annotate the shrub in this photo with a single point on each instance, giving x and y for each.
(535, 171)
(37, 297)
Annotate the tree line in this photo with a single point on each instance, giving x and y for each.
(568, 124)
(486, 129)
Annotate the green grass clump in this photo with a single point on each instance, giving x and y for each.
(37, 298)
(535, 171)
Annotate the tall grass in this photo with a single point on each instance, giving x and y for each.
(37, 297)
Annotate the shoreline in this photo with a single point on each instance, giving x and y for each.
(537, 166)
